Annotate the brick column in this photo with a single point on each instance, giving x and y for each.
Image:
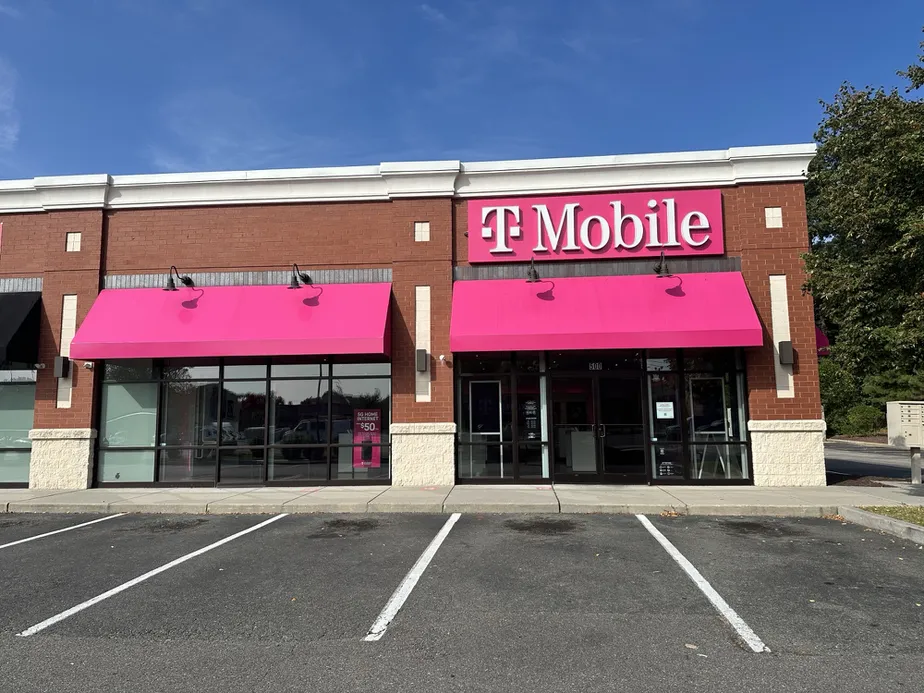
(423, 424)
(64, 429)
(786, 426)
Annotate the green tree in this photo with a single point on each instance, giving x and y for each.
(865, 201)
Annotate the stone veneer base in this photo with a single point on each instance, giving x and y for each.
(788, 453)
(423, 454)
(62, 458)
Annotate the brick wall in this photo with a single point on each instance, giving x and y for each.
(260, 237)
(765, 252)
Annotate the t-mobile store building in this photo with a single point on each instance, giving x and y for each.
(628, 319)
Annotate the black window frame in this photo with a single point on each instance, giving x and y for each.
(327, 372)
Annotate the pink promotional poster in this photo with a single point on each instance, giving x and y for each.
(367, 434)
(599, 225)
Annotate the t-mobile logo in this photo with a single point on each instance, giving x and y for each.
(501, 233)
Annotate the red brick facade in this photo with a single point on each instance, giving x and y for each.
(378, 234)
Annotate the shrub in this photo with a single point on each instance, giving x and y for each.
(863, 420)
(839, 392)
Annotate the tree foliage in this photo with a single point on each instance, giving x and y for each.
(865, 203)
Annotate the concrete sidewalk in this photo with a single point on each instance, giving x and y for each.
(686, 500)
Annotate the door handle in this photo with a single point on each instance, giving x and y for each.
(602, 430)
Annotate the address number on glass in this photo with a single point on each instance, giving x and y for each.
(595, 366)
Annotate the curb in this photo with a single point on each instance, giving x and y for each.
(860, 443)
(479, 508)
(889, 525)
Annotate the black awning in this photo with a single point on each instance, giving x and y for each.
(20, 317)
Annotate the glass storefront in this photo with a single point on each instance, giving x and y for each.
(617, 416)
(246, 423)
(502, 432)
(17, 406)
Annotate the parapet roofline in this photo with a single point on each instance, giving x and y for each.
(395, 180)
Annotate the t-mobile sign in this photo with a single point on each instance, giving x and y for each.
(608, 225)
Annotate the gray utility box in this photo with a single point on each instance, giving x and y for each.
(906, 424)
(906, 430)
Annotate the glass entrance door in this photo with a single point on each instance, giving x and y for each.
(621, 428)
(574, 428)
(598, 428)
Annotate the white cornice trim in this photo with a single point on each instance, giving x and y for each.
(636, 171)
(392, 180)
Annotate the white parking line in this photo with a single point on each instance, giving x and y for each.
(141, 578)
(396, 601)
(729, 614)
(58, 531)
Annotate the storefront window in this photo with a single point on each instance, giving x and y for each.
(697, 399)
(17, 405)
(664, 414)
(359, 425)
(666, 425)
(484, 363)
(189, 420)
(244, 423)
(486, 423)
(502, 421)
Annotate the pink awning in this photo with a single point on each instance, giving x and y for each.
(236, 321)
(625, 312)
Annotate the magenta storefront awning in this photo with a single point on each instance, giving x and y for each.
(236, 321)
(623, 312)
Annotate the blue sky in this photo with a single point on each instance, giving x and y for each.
(136, 86)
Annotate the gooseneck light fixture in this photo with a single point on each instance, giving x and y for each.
(184, 279)
(661, 268)
(299, 276)
(532, 274)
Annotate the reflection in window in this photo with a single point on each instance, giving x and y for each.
(17, 405)
(245, 371)
(128, 416)
(187, 465)
(190, 415)
(180, 371)
(662, 360)
(129, 370)
(244, 412)
(297, 464)
(299, 412)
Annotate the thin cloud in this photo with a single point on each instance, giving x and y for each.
(219, 129)
(434, 14)
(9, 116)
(10, 11)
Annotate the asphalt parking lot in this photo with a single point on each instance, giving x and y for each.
(563, 603)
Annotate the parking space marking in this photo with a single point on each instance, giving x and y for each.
(58, 531)
(400, 595)
(57, 618)
(729, 614)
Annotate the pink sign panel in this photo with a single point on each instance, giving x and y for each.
(367, 434)
(597, 226)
